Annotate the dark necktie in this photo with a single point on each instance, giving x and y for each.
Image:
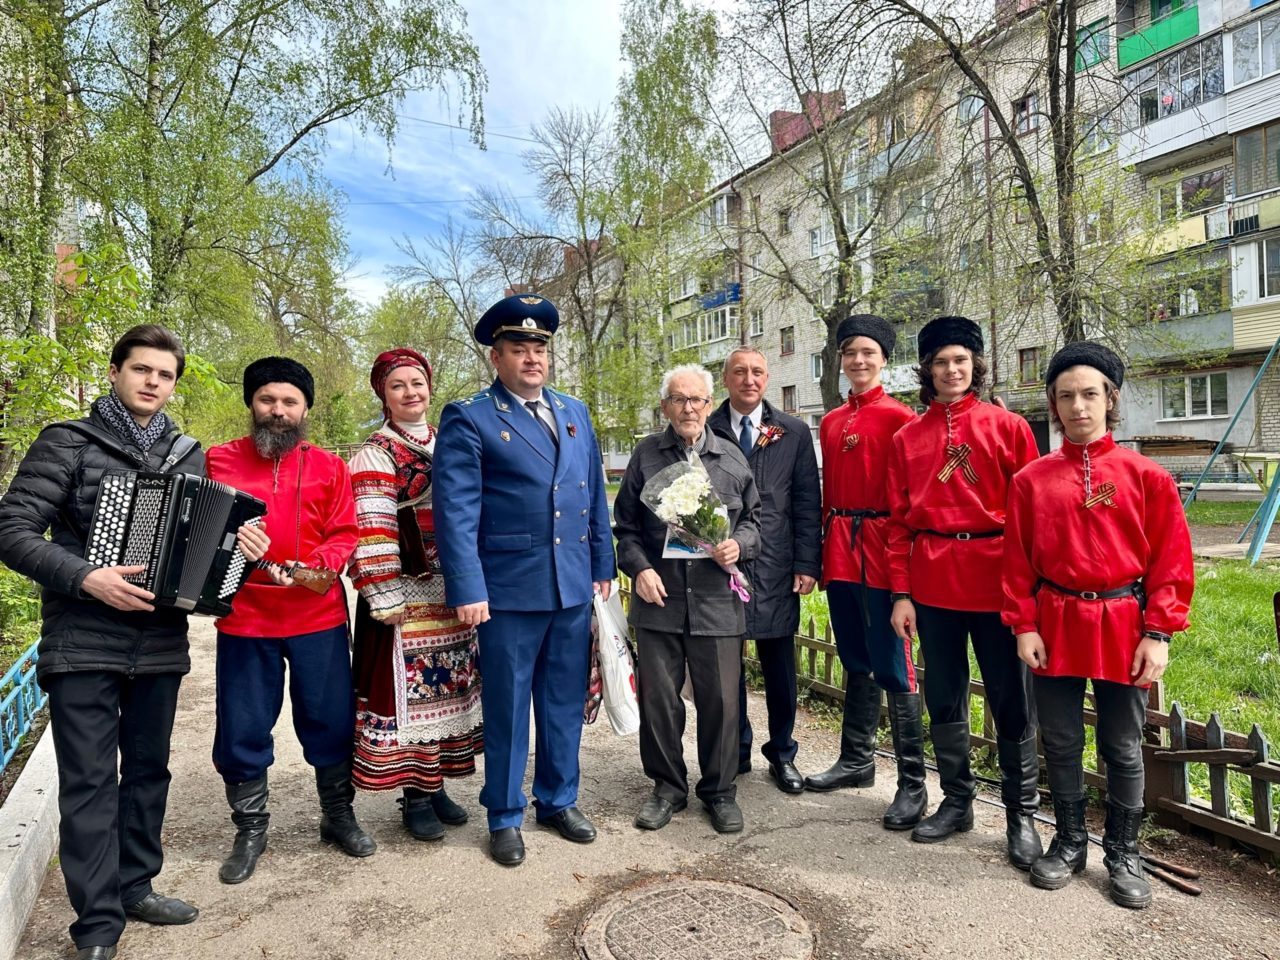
(533, 408)
(746, 438)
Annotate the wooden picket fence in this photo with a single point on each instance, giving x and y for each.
(1243, 782)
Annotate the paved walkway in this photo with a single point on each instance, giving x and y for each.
(868, 893)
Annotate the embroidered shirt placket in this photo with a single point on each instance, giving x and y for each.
(1088, 474)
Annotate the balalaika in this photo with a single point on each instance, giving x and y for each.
(182, 528)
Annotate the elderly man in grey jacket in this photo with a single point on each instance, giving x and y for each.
(684, 612)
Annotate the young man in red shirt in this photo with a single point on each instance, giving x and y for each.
(857, 438)
(311, 517)
(948, 485)
(1095, 595)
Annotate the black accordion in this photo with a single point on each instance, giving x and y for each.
(182, 528)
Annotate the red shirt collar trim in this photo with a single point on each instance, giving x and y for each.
(860, 400)
(967, 402)
(1095, 448)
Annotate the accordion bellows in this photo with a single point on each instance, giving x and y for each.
(182, 528)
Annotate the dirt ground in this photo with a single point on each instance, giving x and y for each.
(868, 893)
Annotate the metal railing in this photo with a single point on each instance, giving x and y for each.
(22, 700)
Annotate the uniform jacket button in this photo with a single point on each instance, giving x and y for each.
(557, 540)
(557, 514)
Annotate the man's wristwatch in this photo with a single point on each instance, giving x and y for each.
(1157, 635)
(895, 597)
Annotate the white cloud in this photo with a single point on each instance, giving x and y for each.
(537, 56)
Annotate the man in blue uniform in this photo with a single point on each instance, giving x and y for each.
(522, 526)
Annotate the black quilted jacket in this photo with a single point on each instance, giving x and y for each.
(54, 490)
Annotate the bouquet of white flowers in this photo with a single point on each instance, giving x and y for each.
(682, 497)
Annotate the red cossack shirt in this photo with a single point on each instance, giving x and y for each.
(856, 441)
(311, 516)
(1095, 518)
(950, 471)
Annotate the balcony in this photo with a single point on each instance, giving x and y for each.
(1167, 32)
(729, 293)
(897, 158)
(1212, 224)
(1198, 333)
(1261, 212)
(1191, 133)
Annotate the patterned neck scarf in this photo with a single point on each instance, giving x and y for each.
(113, 410)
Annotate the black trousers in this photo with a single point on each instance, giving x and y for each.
(943, 635)
(715, 668)
(872, 649)
(1122, 708)
(110, 828)
(777, 657)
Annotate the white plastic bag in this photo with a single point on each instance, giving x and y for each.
(617, 669)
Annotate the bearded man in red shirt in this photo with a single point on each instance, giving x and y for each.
(949, 481)
(1095, 595)
(311, 517)
(857, 438)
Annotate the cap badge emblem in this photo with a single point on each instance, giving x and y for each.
(529, 323)
(531, 301)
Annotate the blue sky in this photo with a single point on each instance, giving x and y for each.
(537, 55)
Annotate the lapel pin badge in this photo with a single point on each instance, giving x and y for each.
(504, 435)
(573, 431)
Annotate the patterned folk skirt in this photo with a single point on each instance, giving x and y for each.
(418, 715)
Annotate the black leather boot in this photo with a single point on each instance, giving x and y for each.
(911, 800)
(419, 815)
(1129, 886)
(955, 812)
(1068, 850)
(248, 802)
(337, 818)
(857, 764)
(1019, 775)
(447, 810)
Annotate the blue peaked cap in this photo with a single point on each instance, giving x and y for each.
(521, 316)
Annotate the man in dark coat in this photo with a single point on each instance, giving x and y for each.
(110, 661)
(684, 613)
(779, 450)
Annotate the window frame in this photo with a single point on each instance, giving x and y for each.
(1032, 355)
(1187, 382)
(1085, 35)
(1026, 114)
(787, 340)
(789, 403)
(815, 366)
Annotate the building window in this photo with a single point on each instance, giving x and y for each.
(1029, 365)
(755, 266)
(968, 108)
(1268, 268)
(1178, 82)
(1097, 224)
(1194, 286)
(815, 427)
(1026, 116)
(1093, 44)
(787, 343)
(784, 222)
(789, 399)
(1257, 157)
(1202, 191)
(757, 322)
(1255, 49)
(1027, 284)
(1202, 395)
(815, 241)
(1096, 134)
(815, 366)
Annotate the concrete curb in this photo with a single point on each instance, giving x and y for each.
(28, 840)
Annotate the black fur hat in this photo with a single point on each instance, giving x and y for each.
(867, 325)
(947, 332)
(1088, 354)
(278, 370)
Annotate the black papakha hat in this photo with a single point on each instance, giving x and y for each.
(1086, 354)
(867, 325)
(521, 316)
(949, 332)
(278, 370)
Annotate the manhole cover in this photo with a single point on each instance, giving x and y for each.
(684, 919)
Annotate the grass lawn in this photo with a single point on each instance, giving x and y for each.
(1229, 513)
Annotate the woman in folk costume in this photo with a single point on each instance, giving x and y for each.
(418, 715)
(1095, 595)
(856, 440)
(949, 479)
